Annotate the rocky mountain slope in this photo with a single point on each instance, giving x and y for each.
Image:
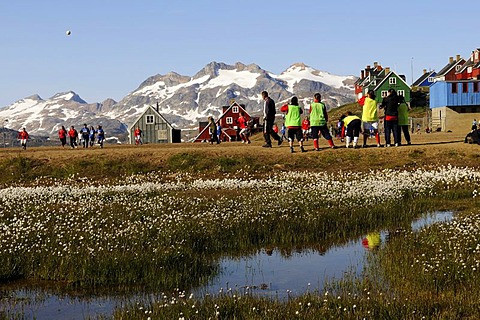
(182, 100)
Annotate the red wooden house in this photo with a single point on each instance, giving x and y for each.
(471, 68)
(448, 73)
(228, 123)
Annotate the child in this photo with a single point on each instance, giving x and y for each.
(353, 126)
(293, 122)
(318, 122)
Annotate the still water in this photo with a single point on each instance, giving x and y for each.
(269, 272)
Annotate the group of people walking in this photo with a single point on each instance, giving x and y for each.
(87, 136)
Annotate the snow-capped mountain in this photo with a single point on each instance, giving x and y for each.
(182, 100)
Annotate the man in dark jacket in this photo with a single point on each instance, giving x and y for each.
(390, 104)
(268, 120)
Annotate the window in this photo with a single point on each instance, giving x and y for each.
(384, 93)
(475, 87)
(374, 83)
(454, 88)
(229, 120)
(392, 80)
(458, 67)
(430, 79)
(464, 87)
(469, 70)
(149, 119)
(401, 93)
(235, 109)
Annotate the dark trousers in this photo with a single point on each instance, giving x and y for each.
(391, 126)
(406, 133)
(353, 128)
(268, 130)
(321, 129)
(73, 142)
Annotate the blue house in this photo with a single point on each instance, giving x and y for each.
(424, 82)
(455, 104)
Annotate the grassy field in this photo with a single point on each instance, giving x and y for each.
(116, 160)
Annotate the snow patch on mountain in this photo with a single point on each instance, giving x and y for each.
(298, 72)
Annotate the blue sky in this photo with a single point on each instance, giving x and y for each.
(116, 45)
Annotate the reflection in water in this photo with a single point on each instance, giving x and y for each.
(271, 272)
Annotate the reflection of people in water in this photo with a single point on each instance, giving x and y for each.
(371, 241)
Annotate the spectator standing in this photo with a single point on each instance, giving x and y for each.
(268, 120)
(23, 136)
(62, 135)
(318, 122)
(390, 104)
(403, 121)
(73, 135)
(212, 129)
(293, 121)
(138, 136)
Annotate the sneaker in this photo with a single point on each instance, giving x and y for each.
(266, 145)
(397, 144)
(280, 141)
(355, 146)
(379, 145)
(409, 143)
(333, 147)
(317, 149)
(347, 146)
(387, 145)
(303, 150)
(248, 142)
(364, 146)
(243, 141)
(291, 150)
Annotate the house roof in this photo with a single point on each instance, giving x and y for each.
(387, 76)
(422, 78)
(155, 111)
(448, 67)
(219, 118)
(467, 64)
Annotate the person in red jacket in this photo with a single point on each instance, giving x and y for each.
(242, 123)
(73, 135)
(62, 135)
(138, 136)
(305, 128)
(23, 136)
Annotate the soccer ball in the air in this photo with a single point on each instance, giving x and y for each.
(69, 32)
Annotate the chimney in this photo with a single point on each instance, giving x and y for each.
(362, 74)
(379, 68)
(424, 71)
(157, 107)
(458, 57)
(375, 64)
(450, 60)
(387, 70)
(367, 71)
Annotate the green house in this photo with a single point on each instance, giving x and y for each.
(388, 79)
(380, 80)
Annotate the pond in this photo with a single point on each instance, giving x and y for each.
(270, 272)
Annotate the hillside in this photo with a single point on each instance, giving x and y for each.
(182, 100)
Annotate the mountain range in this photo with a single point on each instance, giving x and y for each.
(182, 100)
